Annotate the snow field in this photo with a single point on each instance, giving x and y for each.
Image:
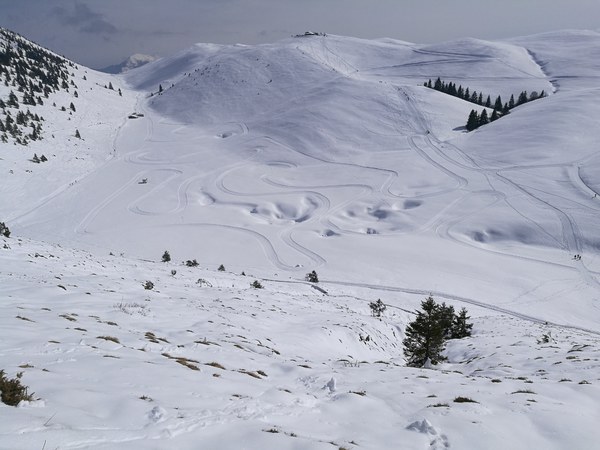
(203, 357)
(321, 153)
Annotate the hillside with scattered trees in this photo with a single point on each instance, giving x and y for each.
(500, 108)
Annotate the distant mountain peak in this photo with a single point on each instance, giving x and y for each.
(134, 61)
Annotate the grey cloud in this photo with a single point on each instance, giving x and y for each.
(84, 19)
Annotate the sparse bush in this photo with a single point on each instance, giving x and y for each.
(166, 257)
(523, 391)
(221, 268)
(4, 231)
(377, 308)
(256, 284)
(191, 263)
(173, 272)
(110, 338)
(312, 277)
(546, 338)
(148, 285)
(464, 400)
(12, 391)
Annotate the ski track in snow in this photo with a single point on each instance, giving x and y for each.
(475, 188)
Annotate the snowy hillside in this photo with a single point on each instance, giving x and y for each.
(321, 153)
(204, 358)
(97, 113)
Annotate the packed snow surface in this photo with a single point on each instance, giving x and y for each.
(321, 153)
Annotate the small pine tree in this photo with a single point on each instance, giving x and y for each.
(312, 277)
(77, 135)
(72, 107)
(377, 308)
(221, 268)
(488, 102)
(473, 120)
(166, 257)
(110, 86)
(424, 340)
(120, 93)
(483, 118)
(256, 284)
(35, 158)
(43, 158)
(4, 231)
(498, 104)
(160, 88)
(461, 328)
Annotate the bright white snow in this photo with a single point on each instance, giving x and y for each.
(322, 153)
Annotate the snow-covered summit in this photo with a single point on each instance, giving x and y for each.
(133, 62)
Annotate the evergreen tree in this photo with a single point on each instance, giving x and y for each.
(494, 116)
(446, 318)
(424, 340)
(12, 100)
(72, 106)
(4, 231)
(473, 121)
(166, 257)
(488, 102)
(483, 118)
(511, 102)
(312, 277)
(461, 328)
(498, 104)
(438, 84)
(160, 88)
(110, 86)
(377, 308)
(77, 135)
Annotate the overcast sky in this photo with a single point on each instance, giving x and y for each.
(98, 33)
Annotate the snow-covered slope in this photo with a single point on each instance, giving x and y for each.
(98, 114)
(326, 153)
(205, 359)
